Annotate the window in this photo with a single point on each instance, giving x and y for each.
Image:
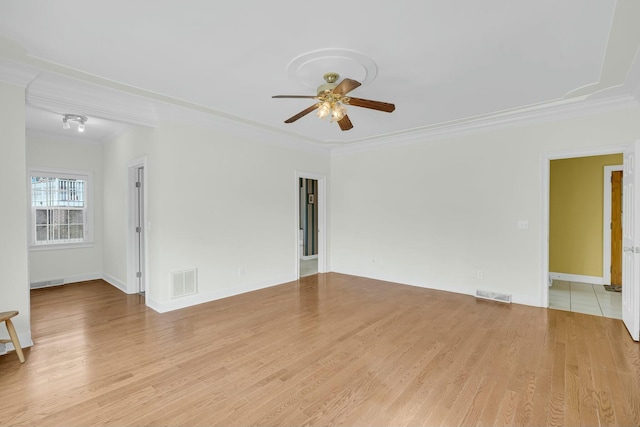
(60, 207)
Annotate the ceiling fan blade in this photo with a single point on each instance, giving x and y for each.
(346, 86)
(345, 123)
(295, 96)
(374, 105)
(302, 113)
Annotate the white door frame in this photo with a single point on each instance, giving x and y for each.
(546, 180)
(631, 241)
(606, 227)
(132, 282)
(322, 220)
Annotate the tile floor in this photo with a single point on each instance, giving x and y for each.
(585, 298)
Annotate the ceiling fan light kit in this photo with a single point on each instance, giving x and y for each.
(333, 101)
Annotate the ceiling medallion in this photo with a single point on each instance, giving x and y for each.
(306, 68)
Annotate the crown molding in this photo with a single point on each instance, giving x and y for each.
(30, 133)
(15, 74)
(61, 94)
(635, 92)
(559, 110)
(64, 95)
(238, 127)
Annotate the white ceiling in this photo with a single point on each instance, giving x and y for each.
(440, 62)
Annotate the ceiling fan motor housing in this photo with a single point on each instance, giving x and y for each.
(331, 79)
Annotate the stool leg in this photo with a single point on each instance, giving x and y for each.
(14, 339)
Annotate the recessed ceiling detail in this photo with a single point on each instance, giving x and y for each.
(306, 68)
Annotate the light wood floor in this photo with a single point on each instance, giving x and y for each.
(327, 350)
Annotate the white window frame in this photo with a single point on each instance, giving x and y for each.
(88, 225)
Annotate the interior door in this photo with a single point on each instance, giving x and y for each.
(139, 241)
(631, 242)
(616, 228)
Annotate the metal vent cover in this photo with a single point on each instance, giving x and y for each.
(184, 283)
(493, 296)
(47, 283)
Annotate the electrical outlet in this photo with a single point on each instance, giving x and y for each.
(241, 271)
(480, 274)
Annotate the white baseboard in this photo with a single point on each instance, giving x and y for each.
(24, 337)
(592, 280)
(114, 282)
(176, 304)
(63, 281)
(459, 288)
(82, 278)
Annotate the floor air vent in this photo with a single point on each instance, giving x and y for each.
(493, 296)
(183, 283)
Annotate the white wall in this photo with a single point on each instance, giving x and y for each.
(14, 278)
(431, 213)
(217, 202)
(116, 156)
(76, 264)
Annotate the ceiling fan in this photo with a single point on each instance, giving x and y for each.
(332, 100)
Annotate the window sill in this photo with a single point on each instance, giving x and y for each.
(57, 246)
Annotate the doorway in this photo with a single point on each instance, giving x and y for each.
(136, 236)
(310, 224)
(612, 226)
(580, 240)
(139, 229)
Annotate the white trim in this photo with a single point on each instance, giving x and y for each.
(58, 93)
(58, 246)
(16, 74)
(71, 137)
(195, 115)
(606, 221)
(456, 288)
(66, 280)
(82, 278)
(23, 337)
(308, 257)
(133, 165)
(576, 278)
(176, 304)
(322, 220)
(545, 193)
(115, 282)
(546, 112)
(98, 97)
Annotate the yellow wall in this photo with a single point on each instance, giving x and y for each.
(576, 214)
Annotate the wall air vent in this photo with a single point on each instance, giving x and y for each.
(184, 283)
(493, 296)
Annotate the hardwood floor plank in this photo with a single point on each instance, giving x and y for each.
(327, 349)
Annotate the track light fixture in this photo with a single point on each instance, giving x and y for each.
(74, 118)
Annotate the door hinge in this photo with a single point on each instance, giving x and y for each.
(139, 274)
(138, 229)
(138, 184)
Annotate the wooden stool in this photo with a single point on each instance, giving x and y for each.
(6, 318)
